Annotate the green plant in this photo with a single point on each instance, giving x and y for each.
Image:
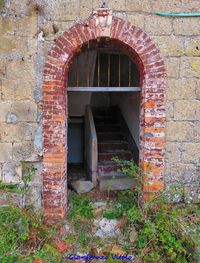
(80, 207)
(129, 168)
(161, 227)
(21, 233)
(10, 188)
(125, 200)
(83, 239)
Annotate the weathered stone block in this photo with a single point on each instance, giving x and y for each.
(170, 46)
(5, 108)
(169, 6)
(117, 5)
(192, 193)
(197, 131)
(17, 68)
(8, 45)
(181, 89)
(198, 90)
(6, 24)
(22, 151)
(192, 46)
(85, 8)
(26, 26)
(158, 26)
(31, 46)
(136, 20)
(59, 10)
(170, 110)
(183, 173)
(190, 67)
(138, 5)
(11, 118)
(2, 68)
(12, 172)
(34, 197)
(25, 110)
(188, 110)
(191, 6)
(179, 131)
(7, 198)
(6, 152)
(173, 152)
(52, 30)
(37, 178)
(38, 138)
(16, 132)
(173, 67)
(17, 46)
(19, 7)
(17, 90)
(186, 27)
(191, 152)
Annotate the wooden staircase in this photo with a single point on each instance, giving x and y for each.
(112, 142)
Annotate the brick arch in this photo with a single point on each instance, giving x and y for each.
(152, 118)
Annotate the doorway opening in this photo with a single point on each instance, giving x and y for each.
(104, 110)
(132, 41)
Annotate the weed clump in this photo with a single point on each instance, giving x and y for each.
(165, 233)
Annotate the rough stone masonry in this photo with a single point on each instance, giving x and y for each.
(28, 29)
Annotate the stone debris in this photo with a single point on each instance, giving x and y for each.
(117, 251)
(106, 228)
(98, 211)
(99, 207)
(133, 235)
(82, 186)
(61, 246)
(99, 204)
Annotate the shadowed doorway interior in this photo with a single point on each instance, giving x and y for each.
(104, 109)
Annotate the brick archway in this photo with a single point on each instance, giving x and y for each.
(152, 118)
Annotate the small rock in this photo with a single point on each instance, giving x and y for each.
(61, 246)
(82, 186)
(107, 228)
(122, 223)
(67, 228)
(133, 235)
(98, 211)
(38, 260)
(117, 251)
(99, 204)
(41, 36)
(12, 118)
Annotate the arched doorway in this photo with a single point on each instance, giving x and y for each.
(138, 46)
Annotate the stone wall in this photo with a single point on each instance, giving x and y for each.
(27, 31)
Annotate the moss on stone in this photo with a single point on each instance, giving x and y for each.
(1, 4)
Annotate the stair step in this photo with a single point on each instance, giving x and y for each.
(108, 127)
(106, 116)
(112, 145)
(104, 136)
(124, 155)
(112, 175)
(105, 120)
(106, 168)
(112, 184)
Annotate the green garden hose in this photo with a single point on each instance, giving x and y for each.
(178, 15)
